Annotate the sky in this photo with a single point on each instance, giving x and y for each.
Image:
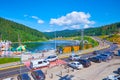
(56, 15)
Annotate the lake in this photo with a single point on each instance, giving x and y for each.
(48, 45)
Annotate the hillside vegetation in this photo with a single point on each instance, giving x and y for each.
(89, 39)
(9, 30)
(103, 30)
(113, 38)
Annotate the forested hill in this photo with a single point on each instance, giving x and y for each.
(9, 30)
(103, 30)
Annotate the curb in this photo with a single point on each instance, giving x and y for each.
(12, 67)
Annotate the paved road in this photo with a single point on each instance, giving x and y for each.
(13, 71)
(111, 48)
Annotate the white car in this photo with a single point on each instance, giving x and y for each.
(10, 78)
(39, 63)
(51, 58)
(75, 65)
(112, 77)
(74, 57)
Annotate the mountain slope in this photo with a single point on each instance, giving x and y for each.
(9, 30)
(103, 30)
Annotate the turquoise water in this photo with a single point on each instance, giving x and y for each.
(41, 46)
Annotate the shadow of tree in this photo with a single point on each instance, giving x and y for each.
(66, 77)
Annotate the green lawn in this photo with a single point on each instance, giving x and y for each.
(8, 60)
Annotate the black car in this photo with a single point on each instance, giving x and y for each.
(119, 70)
(38, 75)
(95, 59)
(103, 58)
(85, 62)
(107, 55)
(110, 53)
(95, 52)
(23, 77)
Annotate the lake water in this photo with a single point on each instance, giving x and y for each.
(48, 45)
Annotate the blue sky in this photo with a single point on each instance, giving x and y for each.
(51, 15)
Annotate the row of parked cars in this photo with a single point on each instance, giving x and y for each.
(79, 63)
(102, 57)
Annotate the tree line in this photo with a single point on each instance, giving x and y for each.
(9, 30)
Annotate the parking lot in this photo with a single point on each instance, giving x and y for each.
(97, 71)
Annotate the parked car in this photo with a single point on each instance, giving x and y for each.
(119, 70)
(85, 62)
(74, 57)
(38, 75)
(95, 52)
(107, 55)
(110, 53)
(103, 58)
(52, 58)
(95, 59)
(39, 63)
(75, 65)
(23, 77)
(112, 77)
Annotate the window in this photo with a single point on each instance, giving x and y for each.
(40, 62)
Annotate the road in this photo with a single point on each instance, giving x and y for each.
(15, 71)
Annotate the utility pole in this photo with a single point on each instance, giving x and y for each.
(19, 40)
(1, 37)
(55, 39)
(20, 52)
(82, 37)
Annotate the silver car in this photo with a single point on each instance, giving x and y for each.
(75, 65)
(74, 57)
(52, 58)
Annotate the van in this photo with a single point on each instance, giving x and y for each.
(38, 63)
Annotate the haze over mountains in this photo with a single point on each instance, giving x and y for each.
(97, 31)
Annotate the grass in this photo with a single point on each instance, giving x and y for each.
(8, 60)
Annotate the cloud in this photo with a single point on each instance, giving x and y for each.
(34, 17)
(40, 21)
(73, 19)
(86, 26)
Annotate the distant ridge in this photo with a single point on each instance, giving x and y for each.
(103, 30)
(9, 30)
